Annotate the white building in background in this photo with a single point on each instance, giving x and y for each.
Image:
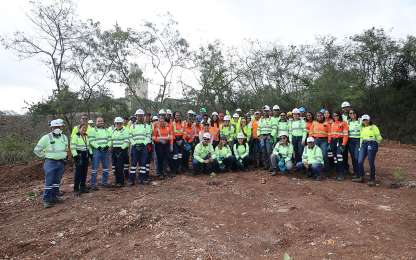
(140, 86)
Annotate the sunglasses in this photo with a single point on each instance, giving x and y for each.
(206, 139)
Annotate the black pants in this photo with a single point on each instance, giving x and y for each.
(228, 164)
(243, 164)
(162, 154)
(119, 158)
(81, 169)
(204, 168)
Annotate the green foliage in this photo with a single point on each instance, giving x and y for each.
(399, 175)
(14, 148)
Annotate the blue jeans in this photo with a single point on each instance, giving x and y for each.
(97, 158)
(138, 156)
(54, 171)
(323, 144)
(353, 148)
(314, 169)
(297, 148)
(368, 149)
(266, 144)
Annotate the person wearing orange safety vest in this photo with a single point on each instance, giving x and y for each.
(189, 132)
(308, 123)
(178, 142)
(214, 129)
(162, 137)
(254, 143)
(320, 132)
(338, 138)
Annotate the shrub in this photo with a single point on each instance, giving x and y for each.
(14, 149)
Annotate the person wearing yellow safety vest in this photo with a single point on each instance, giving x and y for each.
(228, 130)
(83, 120)
(81, 153)
(275, 119)
(149, 143)
(370, 139)
(241, 152)
(53, 148)
(244, 128)
(178, 142)
(235, 121)
(224, 159)
(138, 132)
(265, 132)
(282, 155)
(282, 126)
(297, 134)
(119, 141)
(312, 160)
(346, 107)
(203, 159)
(99, 138)
(354, 131)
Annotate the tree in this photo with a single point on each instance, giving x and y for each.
(167, 50)
(54, 29)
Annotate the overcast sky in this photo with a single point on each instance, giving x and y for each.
(232, 21)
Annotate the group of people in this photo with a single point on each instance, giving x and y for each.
(218, 142)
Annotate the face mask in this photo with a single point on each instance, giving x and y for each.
(57, 131)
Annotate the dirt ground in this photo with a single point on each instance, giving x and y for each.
(231, 216)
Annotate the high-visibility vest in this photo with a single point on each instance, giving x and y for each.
(177, 128)
(339, 129)
(120, 138)
(241, 150)
(139, 133)
(319, 130)
(370, 133)
(285, 150)
(229, 132)
(214, 131)
(99, 137)
(313, 155)
(222, 153)
(189, 132)
(52, 147)
(265, 126)
(308, 126)
(160, 131)
(254, 127)
(80, 143)
(354, 129)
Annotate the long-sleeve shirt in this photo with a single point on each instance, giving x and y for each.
(51, 146)
(286, 151)
(241, 150)
(120, 138)
(80, 143)
(222, 153)
(162, 133)
(313, 155)
(203, 152)
(297, 128)
(339, 129)
(370, 133)
(99, 137)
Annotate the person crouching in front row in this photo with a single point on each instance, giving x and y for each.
(282, 155)
(224, 159)
(241, 152)
(203, 160)
(312, 160)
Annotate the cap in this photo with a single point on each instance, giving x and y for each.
(345, 104)
(155, 118)
(295, 111)
(139, 112)
(118, 120)
(227, 118)
(310, 139)
(276, 107)
(241, 136)
(206, 136)
(236, 115)
(365, 117)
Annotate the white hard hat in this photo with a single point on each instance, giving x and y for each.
(214, 114)
(56, 123)
(162, 112)
(284, 133)
(238, 110)
(365, 117)
(345, 104)
(155, 118)
(118, 120)
(191, 112)
(227, 118)
(310, 139)
(139, 112)
(257, 112)
(60, 121)
(206, 136)
(169, 112)
(276, 107)
(295, 111)
(236, 115)
(90, 122)
(241, 136)
(266, 108)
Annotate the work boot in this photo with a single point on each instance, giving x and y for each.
(60, 193)
(57, 200)
(94, 188)
(47, 204)
(274, 173)
(371, 183)
(340, 178)
(84, 190)
(357, 179)
(318, 178)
